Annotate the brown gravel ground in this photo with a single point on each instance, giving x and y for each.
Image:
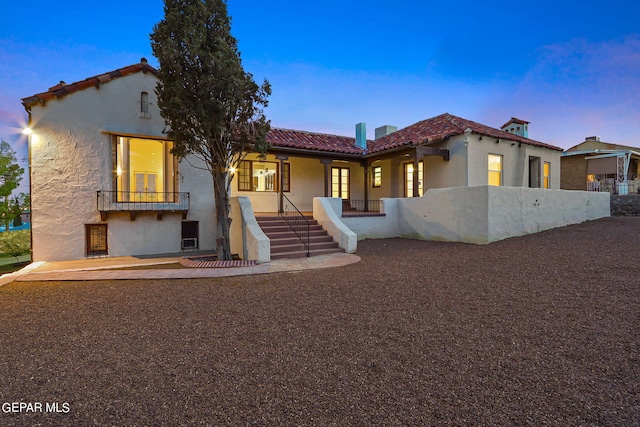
(530, 331)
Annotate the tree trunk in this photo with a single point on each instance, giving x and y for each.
(222, 216)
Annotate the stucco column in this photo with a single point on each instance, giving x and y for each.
(366, 186)
(282, 158)
(327, 176)
(416, 164)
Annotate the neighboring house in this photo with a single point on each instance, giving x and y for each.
(103, 180)
(594, 165)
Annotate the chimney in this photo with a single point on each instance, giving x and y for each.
(361, 135)
(385, 130)
(517, 127)
(592, 138)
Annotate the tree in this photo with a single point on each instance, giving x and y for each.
(212, 107)
(10, 177)
(16, 213)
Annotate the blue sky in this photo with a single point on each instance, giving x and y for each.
(571, 68)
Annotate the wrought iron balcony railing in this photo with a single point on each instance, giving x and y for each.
(135, 201)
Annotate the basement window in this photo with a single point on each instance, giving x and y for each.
(96, 240)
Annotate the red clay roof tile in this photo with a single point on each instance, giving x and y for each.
(62, 89)
(313, 141)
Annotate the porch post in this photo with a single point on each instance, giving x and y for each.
(367, 178)
(282, 158)
(327, 176)
(416, 164)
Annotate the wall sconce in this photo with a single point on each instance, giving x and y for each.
(497, 141)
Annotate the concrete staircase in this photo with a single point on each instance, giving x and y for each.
(285, 243)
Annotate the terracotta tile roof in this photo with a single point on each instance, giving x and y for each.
(441, 127)
(63, 89)
(313, 141)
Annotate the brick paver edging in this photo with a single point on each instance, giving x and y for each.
(195, 263)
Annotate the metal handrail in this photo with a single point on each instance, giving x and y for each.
(142, 201)
(297, 222)
(357, 207)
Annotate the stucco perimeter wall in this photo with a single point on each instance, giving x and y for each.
(518, 211)
(487, 214)
(481, 214)
(446, 214)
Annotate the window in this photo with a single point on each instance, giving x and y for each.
(377, 176)
(495, 169)
(145, 170)
(96, 239)
(286, 177)
(189, 235)
(144, 105)
(546, 172)
(340, 183)
(408, 179)
(262, 176)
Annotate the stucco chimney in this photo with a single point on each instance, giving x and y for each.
(517, 127)
(361, 135)
(385, 130)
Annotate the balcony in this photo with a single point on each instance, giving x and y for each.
(135, 201)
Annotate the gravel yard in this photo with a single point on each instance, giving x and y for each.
(536, 330)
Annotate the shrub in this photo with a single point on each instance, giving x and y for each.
(15, 243)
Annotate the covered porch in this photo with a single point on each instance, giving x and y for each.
(614, 171)
(289, 179)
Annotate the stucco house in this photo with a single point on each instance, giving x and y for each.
(104, 181)
(595, 165)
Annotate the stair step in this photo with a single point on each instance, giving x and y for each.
(285, 228)
(294, 240)
(303, 254)
(276, 248)
(286, 234)
(286, 244)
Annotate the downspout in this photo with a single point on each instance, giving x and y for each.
(467, 135)
(29, 131)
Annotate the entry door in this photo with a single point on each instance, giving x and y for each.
(340, 183)
(534, 172)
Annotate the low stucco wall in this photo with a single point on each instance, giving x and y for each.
(376, 227)
(518, 211)
(328, 211)
(481, 214)
(247, 238)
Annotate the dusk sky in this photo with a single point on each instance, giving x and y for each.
(571, 68)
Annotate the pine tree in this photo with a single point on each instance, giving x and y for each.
(212, 107)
